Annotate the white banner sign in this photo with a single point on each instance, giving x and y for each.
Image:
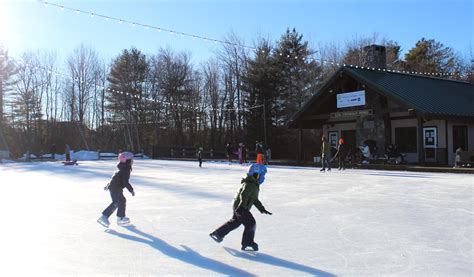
(351, 99)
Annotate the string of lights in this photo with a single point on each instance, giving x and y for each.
(20, 63)
(434, 74)
(146, 26)
(223, 42)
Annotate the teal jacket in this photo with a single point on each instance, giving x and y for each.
(247, 196)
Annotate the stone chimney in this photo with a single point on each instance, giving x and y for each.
(373, 127)
(376, 56)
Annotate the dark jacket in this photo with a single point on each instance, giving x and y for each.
(325, 149)
(342, 151)
(259, 148)
(247, 196)
(228, 150)
(121, 178)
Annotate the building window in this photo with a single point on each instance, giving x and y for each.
(460, 138)
(406, 139)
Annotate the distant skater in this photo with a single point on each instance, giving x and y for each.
(228, 150)
(341, 154)
(246, 197)
(240, 153)
(199, 156)
(259, 151)
(119, 181)
(325, 154)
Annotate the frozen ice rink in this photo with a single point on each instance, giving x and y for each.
(351, 223)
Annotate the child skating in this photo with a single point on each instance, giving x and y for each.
(246, 197)
(119, 181)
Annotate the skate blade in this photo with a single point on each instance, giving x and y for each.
(249, 250)
(216, 239)
(124, 224)
(103, 224)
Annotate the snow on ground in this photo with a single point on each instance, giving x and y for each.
(351, 223)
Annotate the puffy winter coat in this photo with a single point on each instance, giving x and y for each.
(121, 177)
(247, 196)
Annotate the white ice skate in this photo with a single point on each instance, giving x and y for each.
(123, 221)
(104, 221)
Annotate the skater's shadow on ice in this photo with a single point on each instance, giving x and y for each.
(400, 175)
(267, 259)
(186, 254)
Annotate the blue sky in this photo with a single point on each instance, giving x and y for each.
(28, 25)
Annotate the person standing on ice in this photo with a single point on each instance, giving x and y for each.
(259, 152)
(240, 153)
(228, 150)
(199, 156)
(246, 197)
(342, 151)
(120, 180)
(325, 154)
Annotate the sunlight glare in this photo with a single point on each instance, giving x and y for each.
(5, 29)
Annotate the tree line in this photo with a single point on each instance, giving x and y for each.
(138, 100)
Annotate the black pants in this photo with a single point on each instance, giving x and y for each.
(118, 202)
(342, 162)
(200, 161)
(326, 161)
(240, 216)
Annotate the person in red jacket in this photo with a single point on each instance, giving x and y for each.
(119, 181)
(342, 151)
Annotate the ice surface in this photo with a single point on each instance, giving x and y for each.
(350, 223)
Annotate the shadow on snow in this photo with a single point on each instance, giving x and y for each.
(87, 173)
(267, 259)
(186, 254)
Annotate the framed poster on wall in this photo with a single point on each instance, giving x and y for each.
(430, 143)
(333, 137)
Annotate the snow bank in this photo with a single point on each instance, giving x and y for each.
(81, 155)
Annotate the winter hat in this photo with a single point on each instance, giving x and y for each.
(259, 169)
(124, 156)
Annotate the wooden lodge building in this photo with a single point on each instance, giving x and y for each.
(427, 118)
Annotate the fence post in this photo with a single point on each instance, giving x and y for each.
(98, 154)
(28, 156)
(212, 153)
(143, 154)
(172, 152)
(184, 152)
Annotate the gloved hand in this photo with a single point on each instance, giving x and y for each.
(133, 193)
(107, 186)
(263, 211)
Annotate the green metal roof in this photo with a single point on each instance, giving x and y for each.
(430, 96)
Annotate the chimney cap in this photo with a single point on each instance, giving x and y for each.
(375, 46)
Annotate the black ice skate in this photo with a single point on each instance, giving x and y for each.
(215, 237)
(250, 247)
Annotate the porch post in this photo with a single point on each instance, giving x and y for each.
(421, 150)
(300, 143)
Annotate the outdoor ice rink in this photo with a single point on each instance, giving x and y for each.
(351, 223)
